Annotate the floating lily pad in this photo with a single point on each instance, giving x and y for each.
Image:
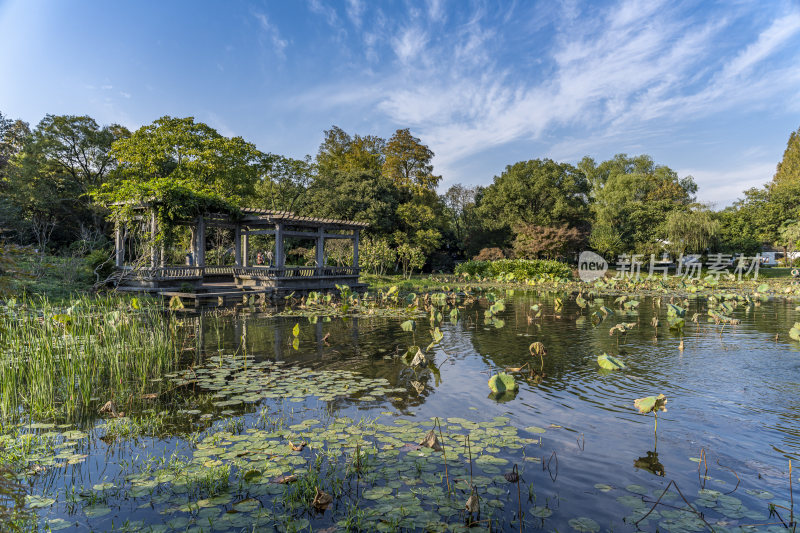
(37, 502)
(584, 525)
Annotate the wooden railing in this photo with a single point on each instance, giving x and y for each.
(195, 272)
(169, 272)
(295, 272)
(218, 270)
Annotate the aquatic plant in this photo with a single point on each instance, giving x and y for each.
(66, 361)
(537, 349)
(502, 383)
(651, 404)
(609, 362)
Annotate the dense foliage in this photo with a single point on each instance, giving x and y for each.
(521, 269)
(64, 182)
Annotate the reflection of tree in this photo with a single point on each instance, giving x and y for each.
(650, 463)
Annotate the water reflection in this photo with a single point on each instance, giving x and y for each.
(650, 463)
(732, 389)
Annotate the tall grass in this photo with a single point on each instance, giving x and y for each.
(65, 361)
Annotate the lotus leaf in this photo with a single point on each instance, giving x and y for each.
(409, 325)
(609, 362)
(502, 382)
(651, 404)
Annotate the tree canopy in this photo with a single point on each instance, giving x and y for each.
(539, 192)
(189, 154)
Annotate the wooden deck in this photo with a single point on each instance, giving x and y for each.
(228, 285)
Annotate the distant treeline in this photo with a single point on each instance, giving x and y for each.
(60, 181)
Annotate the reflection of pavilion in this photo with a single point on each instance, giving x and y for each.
(272, 278)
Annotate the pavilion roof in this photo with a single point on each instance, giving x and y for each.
(252, 214)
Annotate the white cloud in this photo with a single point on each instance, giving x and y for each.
(622, 76)
(409, 43)
(355, 10)
(329, 13)
(279, 44)
(436, 11)
(781, 30)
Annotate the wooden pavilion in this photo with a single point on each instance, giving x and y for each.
(272, 278)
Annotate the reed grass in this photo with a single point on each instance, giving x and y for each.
(61, 362)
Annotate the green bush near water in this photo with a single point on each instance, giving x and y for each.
(520, 268)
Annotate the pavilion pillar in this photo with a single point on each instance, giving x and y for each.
(237, 245)
(200, 255)
(320, 250)
(192, 260)
(355, 247)
(153, 235)
(280, 257)
(246, 249)
(119, 246)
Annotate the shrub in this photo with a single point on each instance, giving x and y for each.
(376, 255)
(520, 268)
(100, 264)
(411, 258)
(490, 254)
(473, 268)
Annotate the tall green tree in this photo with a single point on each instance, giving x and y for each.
(408, 162)
(13, 136)
(356, 195)
(789, 168)
(632, 198)
(343, 152)
(539, 192)
(692, 230)
(51, 178)
(283, 182)
(459, 202)
(179, 152)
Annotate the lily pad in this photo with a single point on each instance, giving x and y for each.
(584, 525)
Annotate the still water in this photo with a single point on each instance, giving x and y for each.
(731, 429)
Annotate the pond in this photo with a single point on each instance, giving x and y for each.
(299, 423)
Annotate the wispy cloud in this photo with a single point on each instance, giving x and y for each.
(329, 13)
(616, 74)
(355, 10)
(409, 43)
(278, 43)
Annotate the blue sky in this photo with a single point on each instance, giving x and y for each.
(711, 89)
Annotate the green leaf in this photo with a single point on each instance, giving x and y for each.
(502, 382)
(674, 310)
(252, 475)
(409, 325)
(609, 362)
(437, 338)
(584, 525)
(651, 404)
